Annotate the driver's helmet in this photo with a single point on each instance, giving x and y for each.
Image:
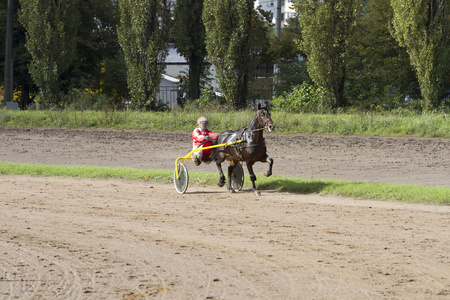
(202, 122)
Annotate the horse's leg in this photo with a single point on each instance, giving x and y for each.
(221, 182)
(270, 162)
(230, 172)
(252, 178)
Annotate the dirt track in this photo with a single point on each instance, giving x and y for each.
(372, 159)
(108, 239)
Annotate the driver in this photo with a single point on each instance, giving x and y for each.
(202, 134)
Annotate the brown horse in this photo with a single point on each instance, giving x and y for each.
(251, 149)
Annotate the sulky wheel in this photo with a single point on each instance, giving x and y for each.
(237, 177)
(181, 184)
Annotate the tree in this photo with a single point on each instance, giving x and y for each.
(99, 64)
(326, 28)
(378, 70)
(51, 40)
(235, 35)
(422, 27)
(189, 35)
(143, 35)
(290, 60)
(96, 42)
(23, 84)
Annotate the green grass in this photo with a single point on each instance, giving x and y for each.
(407, 124)
(376, 191)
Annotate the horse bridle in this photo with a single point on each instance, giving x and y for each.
(265, 123)
(259, 129)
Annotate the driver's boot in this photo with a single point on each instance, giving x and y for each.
(197, 161)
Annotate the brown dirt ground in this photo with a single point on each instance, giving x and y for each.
(66, 238)
(367, 159)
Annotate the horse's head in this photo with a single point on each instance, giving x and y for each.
(264, 119)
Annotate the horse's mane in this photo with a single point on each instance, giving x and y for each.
(252, 122)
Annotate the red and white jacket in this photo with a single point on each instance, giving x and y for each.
(199, 136)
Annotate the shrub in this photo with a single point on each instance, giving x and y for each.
(304, 98)
(4, 117)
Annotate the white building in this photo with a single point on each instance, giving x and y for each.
(287, 9)
(177, 67)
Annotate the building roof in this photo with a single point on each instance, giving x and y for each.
(170, 78)
(173, 57)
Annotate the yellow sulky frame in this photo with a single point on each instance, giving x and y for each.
(189, 155)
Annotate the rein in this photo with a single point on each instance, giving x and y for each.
(259, 129)
(250, 130)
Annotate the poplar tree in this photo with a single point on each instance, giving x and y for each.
(326, 30)
(235, 36)
(51, 40)
(143, 36)
(189, 35)
(422, 27)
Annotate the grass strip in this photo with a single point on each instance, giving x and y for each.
(377, 191)
(431, 125)
(7, 168)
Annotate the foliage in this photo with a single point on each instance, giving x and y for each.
(290, 74)
(235, 35)
(285, 47)
(86, 99)
(422, 27)
(379, 73)
(143, 36)
(188, 33)
(96, 43)
(326, 28)
(304, 98)
(114, 79)
(376, 70)
(24, 86)
(444, 85)
(290, 61)
(51, 38)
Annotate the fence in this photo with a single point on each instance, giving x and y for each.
(168, 95)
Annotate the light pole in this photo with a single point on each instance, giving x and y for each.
(278, 20)
(277, 35)
(9, 54)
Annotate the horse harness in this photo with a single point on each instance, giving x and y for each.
(241, 137)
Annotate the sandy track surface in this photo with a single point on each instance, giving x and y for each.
(63, 238)
(368, 159)
(107, 239)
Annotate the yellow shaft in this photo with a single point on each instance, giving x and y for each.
(189, 155)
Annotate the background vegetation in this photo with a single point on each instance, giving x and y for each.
(143, 37)
(363, 53)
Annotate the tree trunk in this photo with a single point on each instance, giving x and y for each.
(194, 77)
(339, 92)
(242, 92)
(26, 101)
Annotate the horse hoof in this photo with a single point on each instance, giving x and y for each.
(267, 174)
(257, 193)
(221, 183)
(231, 191)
